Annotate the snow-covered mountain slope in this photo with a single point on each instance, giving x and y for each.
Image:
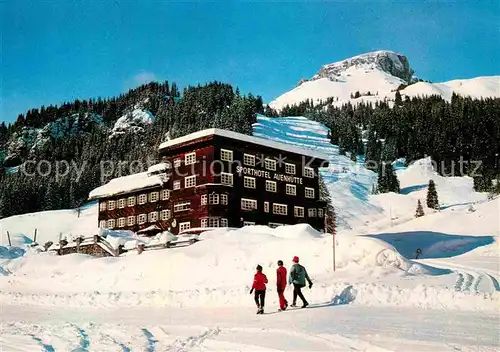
(452, 190)
(377, 76)
(479, 87)
(349, 183)
(31, 140)
(132, 122)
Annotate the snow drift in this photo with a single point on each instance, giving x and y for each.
(218, 271)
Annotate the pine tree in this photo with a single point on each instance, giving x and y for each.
(372, 157)
(398, 101)
(392, 179)
(354, 157)
(432, 196)
(387, 179)
(420, 210)
(324, 195)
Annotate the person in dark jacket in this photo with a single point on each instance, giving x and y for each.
(259, 285)
(298, 277)
(281, 284)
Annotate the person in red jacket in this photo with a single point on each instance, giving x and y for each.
(281, 284)
(259, 285)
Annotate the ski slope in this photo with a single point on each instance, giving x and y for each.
(349, 183)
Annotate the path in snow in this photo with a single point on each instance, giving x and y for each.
(339, 328)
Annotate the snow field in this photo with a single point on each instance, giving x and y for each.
(218, 271)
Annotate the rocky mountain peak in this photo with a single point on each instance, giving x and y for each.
(388, 61)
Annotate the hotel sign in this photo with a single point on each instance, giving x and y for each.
(268, 175)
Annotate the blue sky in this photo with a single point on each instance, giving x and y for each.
(57, 50)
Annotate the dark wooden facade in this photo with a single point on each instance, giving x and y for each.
(208, 167)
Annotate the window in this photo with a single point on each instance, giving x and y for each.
(312, 212)
(271, 186)
(290, 168)
(320, 212)
(165, 214)
(111, 223)
(177, 162)
(153, 216)
(308, 172)
(223, 222)
(248, 182)
(223, 199)
(309, 192)
(131, 201)
(249, 159)
(190, 158)
(203, 199)
(226, 178)
(204, 222)
(177, 185)
(153, 197)
(226, 155)
(182, 206)
(270, 164)
(111, 205)
(248, 223)
(142, 199)
(102, 206)
(213, 198)
(248, 204)
(141, 219)
(122, 222)
(213, 222)
(165, 194)
(291, 190)
(266, 207)
(274, 225)
(298, 212)
(280, 209)
(102, 224)
(121, 203)
(183, 226)
(190, 181)
(131, 221)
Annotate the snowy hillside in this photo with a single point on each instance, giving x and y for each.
(377, 76)
(31, 140)
(479, 87)
(349, 183)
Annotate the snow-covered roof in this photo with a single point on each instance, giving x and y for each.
(127, 184)
(158, 168)
(150, 228)
(244, 138)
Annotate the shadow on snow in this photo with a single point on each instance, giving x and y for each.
(433, 244)
(410, 189)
